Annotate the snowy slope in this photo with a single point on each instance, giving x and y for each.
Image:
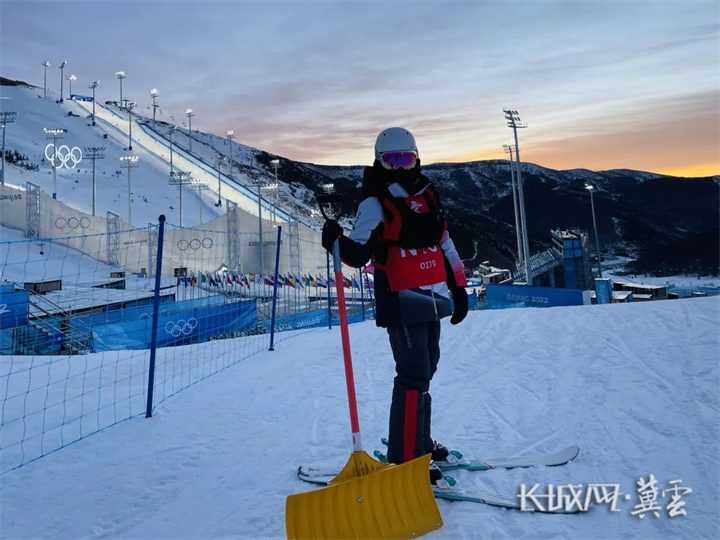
(151, 193)
(634, 385)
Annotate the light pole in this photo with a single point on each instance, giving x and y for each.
(179, 179)
(55, 134)
(45, 64)
(220, 161)
(120, 75)
(129, 105)
(513, 121)
(509, 147)
(94, 152)
(591, 188)
(189, 113)
(154, 96)
(61, 67)
(6, 117)
(200, 185)
(70, 79)
(93, 86)
(129, 162)
(230, 136)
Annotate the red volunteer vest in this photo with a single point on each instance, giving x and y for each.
(408, 223)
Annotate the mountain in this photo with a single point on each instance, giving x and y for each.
(668, 224)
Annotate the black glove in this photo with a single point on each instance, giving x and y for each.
(460, 299)
(331, 232)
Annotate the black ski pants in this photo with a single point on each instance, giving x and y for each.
(416, 349)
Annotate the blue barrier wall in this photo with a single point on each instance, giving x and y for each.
(509, 296)
(178, 328)
(13, 308)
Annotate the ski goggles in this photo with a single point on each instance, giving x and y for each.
(397, 160)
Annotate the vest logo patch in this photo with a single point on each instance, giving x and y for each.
(416, 206)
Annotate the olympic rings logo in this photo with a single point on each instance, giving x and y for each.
(195, 244)
(181, 327)
(66, 225)
(63, 154)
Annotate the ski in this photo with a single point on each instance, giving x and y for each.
(323, 476)
(553, 459)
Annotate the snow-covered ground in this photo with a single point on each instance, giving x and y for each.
(636, 386)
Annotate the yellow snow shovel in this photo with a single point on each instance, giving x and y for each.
(368, 499)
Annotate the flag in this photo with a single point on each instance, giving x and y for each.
(238, 280)
(193, 281)
(346, 283)
(212, 281)
(290, 281)
(252, 278)
(321, 282)
(311, 281)
(281, 280)
(331, 281)
(355, 284)
(270, 280)
(228, 279)
(203, 279)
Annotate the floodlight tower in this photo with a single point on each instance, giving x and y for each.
(189, 113)
(128, 162)
(6, 117)
(93, 86)
(200, 185)
(179, 179)
(276, 187)
(513, 121)
(591, 188)
(129, 106)
(94, 153)
(509, 148)
(154, 95)
(259, 182)
(54, 134)
(70, 79)
(45, 64)
(120, 75)
(61, 67)
(230, 134)
(220, 161)
(170, 136)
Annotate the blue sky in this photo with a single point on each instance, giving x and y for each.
(601, 84)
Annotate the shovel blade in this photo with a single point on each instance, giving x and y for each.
(378, 501)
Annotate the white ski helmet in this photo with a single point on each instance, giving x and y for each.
(395, 139)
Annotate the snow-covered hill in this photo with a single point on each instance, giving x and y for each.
(634, 385)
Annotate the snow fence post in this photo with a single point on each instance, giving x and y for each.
(327, 253)
(156, 309)
(275, 289)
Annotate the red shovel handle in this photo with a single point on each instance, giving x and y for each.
(349, 379)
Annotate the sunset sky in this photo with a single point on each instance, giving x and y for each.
(602, 85)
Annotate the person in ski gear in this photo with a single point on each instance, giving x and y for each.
(402, 229)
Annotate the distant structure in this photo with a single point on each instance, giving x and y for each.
(565, 266)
